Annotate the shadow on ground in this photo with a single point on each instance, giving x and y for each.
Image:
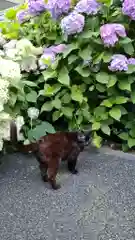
(98, 204)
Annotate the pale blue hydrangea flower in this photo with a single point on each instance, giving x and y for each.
(36, 6)
(23, 16)
(48, 55)
(118, 63)
(58, 49)
(72, 24)
(128, 8)
(131, 61)
(90, 7)
(58, 7)
(110, 32)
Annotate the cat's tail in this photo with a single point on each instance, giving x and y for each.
(17, 146)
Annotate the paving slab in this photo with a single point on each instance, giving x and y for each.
(98, 204)
(6, 4)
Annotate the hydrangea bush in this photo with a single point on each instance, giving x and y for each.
(69, 65)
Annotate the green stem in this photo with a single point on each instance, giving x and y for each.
(31, 125)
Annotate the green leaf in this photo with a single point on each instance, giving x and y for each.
(107, 57)
(31, 97)
(106, 103)
(47, 107)
(66, 98)
(29, 83)
(132, 131)
(125, 147)
(133, 97)
(96, 126)
(86, 114)
(56, 115)
(97, 140)
(124, 85)
(121, 99)
(91, 88)
(40, 130)
(112, 81)
(128, 48)
(49, 74)
(72, 58)
(123, 136)
(13, 99)
(115, 113)
(69, 49)
(131, 142)
(86, 34)
(63, 77)
(125, 40)
(67, 111)
(131, 69)
(85, 54)
(48, 127)
(100, 87)
(11, 14)
(51, 90)
(102, 77)
(99, 111)
(123, 110)
(108, 3)
(105, 129)
(84, 72)
(76, 94)
(98, 58)
(56, 103)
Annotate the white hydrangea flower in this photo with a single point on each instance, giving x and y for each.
(2, 40)
(11, 53)
(6, 131)
(10, 69)
(33, 113)
(29, 64)
(1, 144)
(26, 142)
(10, 45)
(5, 116)
(19, 123)
(2, 54)
(4, 93)
(5, 119)
(25, 47)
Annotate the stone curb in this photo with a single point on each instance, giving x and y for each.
(117, 153)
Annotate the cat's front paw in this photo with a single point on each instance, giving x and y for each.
(75, 171)
(45, 178)
(56, 186)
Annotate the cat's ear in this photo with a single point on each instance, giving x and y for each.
(87, 133)
(88, 136)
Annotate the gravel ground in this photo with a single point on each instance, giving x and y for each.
(98, 204)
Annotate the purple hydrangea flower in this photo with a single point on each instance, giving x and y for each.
(110, 32)
(87, 6)
(118, 63)
(128, 8)
(58, 49)
(73, 23)
(58, 7)
(131, 61)
(47, 55)
(36, 6)
(23, 16)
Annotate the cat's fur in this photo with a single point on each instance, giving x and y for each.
(51, 149)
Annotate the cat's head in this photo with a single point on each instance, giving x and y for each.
(84, 137)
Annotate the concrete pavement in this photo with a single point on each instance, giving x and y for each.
(98, 204)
